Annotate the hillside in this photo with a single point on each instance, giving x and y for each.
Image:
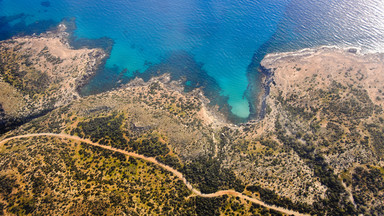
(318, 150)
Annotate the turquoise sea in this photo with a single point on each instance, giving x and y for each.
(215, 44)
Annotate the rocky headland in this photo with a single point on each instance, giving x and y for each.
(40, 73)
(327, 105)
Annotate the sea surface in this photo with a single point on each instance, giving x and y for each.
(215, 40)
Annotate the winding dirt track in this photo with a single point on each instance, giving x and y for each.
(170, 169)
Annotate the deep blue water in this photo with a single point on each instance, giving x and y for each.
(219, 37)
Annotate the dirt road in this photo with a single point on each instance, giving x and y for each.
(170, 169)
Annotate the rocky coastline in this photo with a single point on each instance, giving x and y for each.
(42, 72)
